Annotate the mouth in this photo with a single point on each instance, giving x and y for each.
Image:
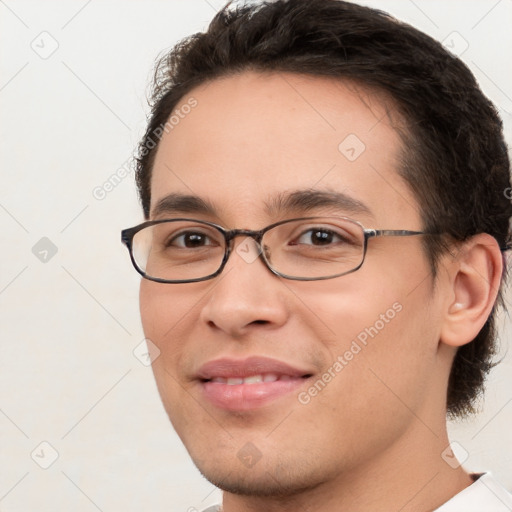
(253, 379)
(241, 385)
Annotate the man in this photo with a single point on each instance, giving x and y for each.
(326, 219)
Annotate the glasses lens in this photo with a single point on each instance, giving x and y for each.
(315, 248)
(178, 250)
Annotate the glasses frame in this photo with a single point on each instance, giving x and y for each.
(229, 235)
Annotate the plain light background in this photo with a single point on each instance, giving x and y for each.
(69, 377)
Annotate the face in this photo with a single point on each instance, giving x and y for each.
(276, 385)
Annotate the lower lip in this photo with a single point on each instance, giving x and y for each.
(244, 397)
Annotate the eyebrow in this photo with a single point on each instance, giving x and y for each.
(310, 199)
(180, 203)
(296, 202)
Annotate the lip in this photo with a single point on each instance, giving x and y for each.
(245, 396)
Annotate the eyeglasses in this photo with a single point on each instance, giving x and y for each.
(304, 249)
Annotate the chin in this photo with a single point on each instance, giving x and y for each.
(263, 479)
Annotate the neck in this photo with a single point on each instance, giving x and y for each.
(409, 476)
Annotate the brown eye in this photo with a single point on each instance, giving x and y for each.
(191, 240)
(317, 237)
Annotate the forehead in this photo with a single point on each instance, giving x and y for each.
(254, 137)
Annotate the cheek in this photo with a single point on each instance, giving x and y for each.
(154, 307)
(163, 309)
(155, 312)
(165, 314)
(383, 326)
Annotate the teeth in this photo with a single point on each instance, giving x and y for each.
(252, 379)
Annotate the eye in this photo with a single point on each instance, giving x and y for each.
(191, 240)
(318, 236)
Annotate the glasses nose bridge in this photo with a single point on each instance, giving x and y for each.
(230, 236)
(233, 233)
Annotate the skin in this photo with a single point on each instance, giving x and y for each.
(372, 438)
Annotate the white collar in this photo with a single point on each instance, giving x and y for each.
(486, 494)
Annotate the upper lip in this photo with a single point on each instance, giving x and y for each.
(242, 368)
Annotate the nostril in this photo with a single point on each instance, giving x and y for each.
(261, 322)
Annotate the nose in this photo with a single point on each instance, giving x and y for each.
(246, 295)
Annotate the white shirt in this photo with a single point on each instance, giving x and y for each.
(484, 495)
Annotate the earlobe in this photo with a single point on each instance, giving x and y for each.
(475, 280)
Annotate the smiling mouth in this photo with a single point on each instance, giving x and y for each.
(255, 379)
(248, 384)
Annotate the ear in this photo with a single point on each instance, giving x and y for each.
(475, 277)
